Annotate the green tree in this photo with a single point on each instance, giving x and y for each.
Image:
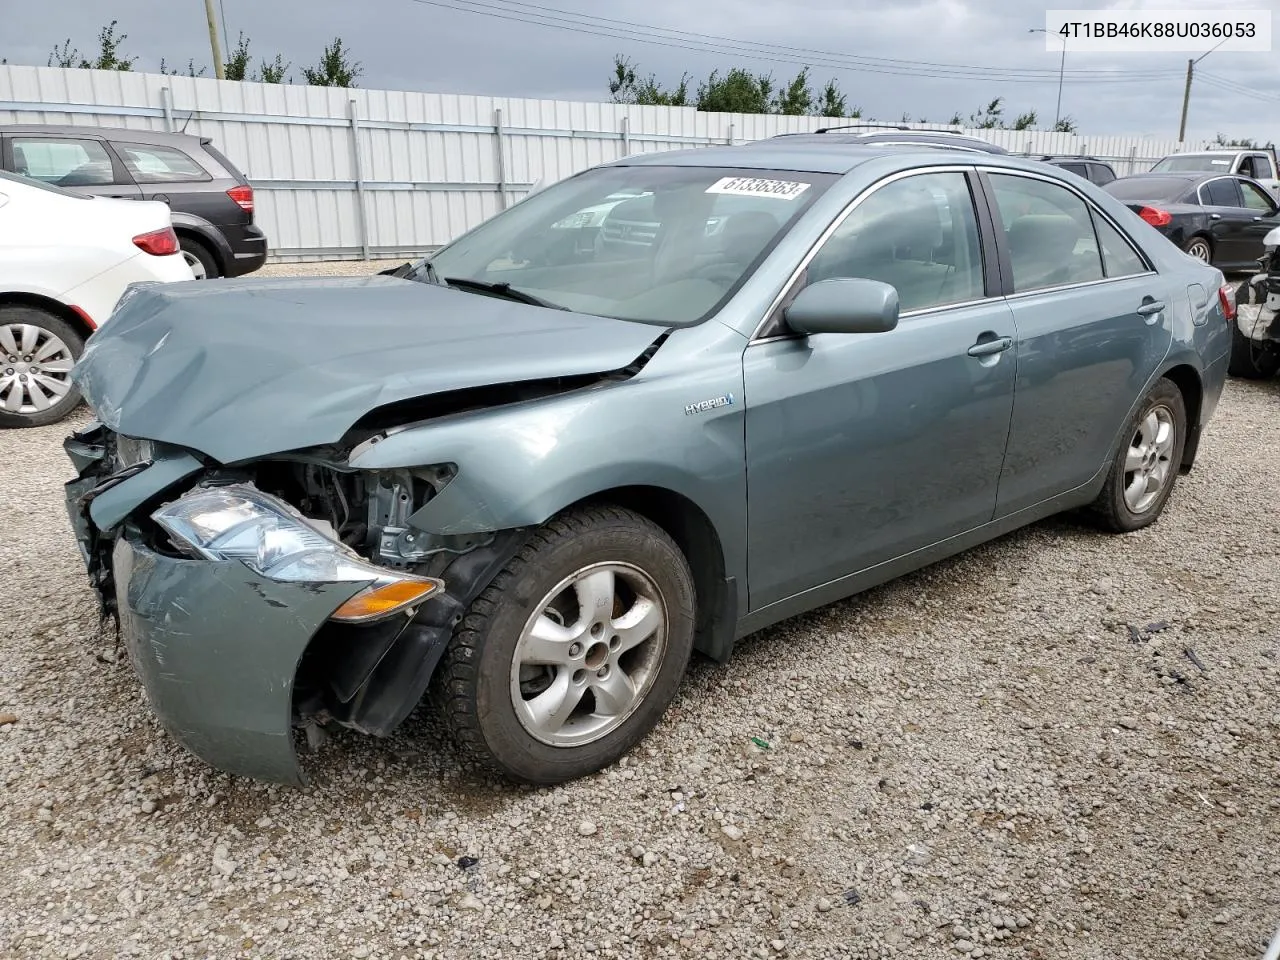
(956, 120)
(626, 86)
(273, 72)
(237, 67)
(738, 91)
(1025, 121)
(1221, 141)
(335, 69)
(1065, 125)
(989, 117)
(835, 104)
(108, 58)
(189, 72)
(796, 98)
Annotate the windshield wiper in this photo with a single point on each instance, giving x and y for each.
(503, 290)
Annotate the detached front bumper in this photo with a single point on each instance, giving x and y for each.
(217, 649)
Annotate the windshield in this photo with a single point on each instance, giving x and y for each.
(1148, 189)
(655, 244)
(1194, 163)
(29, 182)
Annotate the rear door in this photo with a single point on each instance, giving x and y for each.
(1093, 323)
(1261, 210)
(1228, 219)
(172, 176)
(81, 164)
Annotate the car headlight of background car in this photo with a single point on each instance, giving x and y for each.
(240, 522)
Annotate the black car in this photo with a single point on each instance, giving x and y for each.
(211, 201)
(1091, 168)
(1221, 219)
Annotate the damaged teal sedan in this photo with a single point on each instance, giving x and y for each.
(658, 406)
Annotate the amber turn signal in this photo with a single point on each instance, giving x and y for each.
(383, 600)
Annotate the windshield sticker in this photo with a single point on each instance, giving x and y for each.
(756, 187)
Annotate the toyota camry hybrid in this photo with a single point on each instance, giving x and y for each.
(523, 480)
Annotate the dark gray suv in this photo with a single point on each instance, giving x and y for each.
(211, 200)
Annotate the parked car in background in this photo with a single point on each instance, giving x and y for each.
(545, 484)
(1091, 168)
(211, 201)
(1260, 165)
(1218, 219)
(65, 261)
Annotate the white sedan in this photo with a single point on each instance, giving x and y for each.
(65, 260)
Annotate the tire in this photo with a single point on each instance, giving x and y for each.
(1120, 513)
(1249, 359)
(199, 258)
(482, 681)
(1199, 247)
(54, 346)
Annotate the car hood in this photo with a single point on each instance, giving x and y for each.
(238, 369)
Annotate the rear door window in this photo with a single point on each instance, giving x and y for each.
(1221, 192)
(64, 162)
(149, 163)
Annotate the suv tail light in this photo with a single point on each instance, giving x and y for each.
(1227, 297)
(1155, 216)
(158, 243)
(243, 196)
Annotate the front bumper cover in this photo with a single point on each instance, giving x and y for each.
(217, 648)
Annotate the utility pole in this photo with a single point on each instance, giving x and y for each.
(1186, 101)
(1186, 93)
(219, 69)
(1062, 69)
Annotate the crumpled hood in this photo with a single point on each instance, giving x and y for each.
(237, 369)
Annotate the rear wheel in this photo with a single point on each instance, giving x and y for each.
(1146, 466)
(37, 352)
(199, 258)
(575, 650)
(1200, 248)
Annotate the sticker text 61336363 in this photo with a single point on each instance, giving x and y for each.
(758, 187)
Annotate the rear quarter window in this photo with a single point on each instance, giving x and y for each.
(149, 163)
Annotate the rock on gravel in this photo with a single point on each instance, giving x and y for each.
(1088, 838)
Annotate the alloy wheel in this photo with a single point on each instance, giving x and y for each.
(194, 263)
(1149, 464)
(35, 369)
(589, 654)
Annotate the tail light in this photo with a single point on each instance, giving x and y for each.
(1155, 216)
(158, 243)
(243, 196)
(1227, 297)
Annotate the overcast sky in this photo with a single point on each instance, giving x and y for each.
(412, 45)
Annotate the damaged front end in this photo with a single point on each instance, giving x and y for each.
(268, 599)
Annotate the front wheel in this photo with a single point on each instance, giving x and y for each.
(575, 650)
(1146, 466)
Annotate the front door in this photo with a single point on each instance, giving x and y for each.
(1262, 216)
(1094, 322)
(81, 164)
(864, 447)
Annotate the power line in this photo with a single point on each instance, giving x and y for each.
(1227, 84)
(726, 46)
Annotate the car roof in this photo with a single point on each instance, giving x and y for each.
(158, 137)
(820, 153)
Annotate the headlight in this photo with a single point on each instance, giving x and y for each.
(240, 522)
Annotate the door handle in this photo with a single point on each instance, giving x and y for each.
(1150, 308)
(1215, 216)
(987, 347)
(1257, 219)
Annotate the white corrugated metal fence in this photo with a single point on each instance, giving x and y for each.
(357, 173)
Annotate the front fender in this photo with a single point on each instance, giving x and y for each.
(518, 466)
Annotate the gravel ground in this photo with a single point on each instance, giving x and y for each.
(978, 759)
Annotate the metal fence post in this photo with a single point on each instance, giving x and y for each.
(359, 177)
(626, 136)
(729, 141)
(166, 104)
(502, 160)
(1133, 158)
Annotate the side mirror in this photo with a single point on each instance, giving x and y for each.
(844, 306)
